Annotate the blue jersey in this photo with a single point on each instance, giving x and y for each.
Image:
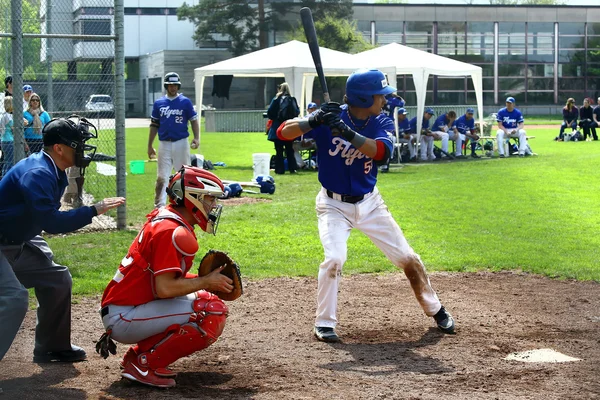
(404, 126)
(510, 120)
(413, 124)
(29, 131)
(173, 116)
(30, 199)
(440, 122)
(462, 124)
(342, 168)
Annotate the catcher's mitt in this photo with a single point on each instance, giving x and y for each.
(214, 259)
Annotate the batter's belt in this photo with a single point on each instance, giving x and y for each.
(345, 198)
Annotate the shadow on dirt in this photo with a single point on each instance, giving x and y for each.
(189, 385)
(386, 357)
(40, 386)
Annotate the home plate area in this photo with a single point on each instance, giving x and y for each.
(390, 349)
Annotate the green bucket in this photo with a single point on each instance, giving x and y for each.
(137, 166)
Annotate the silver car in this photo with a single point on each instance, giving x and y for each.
(100, 105)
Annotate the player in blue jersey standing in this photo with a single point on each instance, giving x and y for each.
(351, 140)
(170, 116)
(510, 125)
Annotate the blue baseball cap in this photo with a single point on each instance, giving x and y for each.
(402, 110)
(470, 111)
(429, 110)
(510, 100)
(27, 88)
(311, 105)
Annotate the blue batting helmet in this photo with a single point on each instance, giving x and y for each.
(363, 84)
(264, 178)
(236, 189)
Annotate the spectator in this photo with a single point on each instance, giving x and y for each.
(586, 121)
(6, 136)
(29, 203)
(283, 107)
(511, 125)
(27, 92)
(570, 115)
(596, 117)
(8, 86)
(170, 117)
(465, 127)
(427, 136)
(442, 127)
(36, 118)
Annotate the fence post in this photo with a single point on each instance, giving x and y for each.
(17, 74)
(120, 109)
(50, 88)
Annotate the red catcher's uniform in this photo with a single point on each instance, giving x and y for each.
(151, 253)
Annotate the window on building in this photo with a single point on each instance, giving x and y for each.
(387, 32)
(93, 27)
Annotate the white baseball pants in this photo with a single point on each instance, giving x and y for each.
(458, 139)
(411, 146)
(427, 147)
(444, 139)
(372, 217)
(171, 155)
(132, 324)
(521, 134)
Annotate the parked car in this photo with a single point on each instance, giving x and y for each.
(100, 105)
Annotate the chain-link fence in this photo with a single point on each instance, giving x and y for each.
(66, 53)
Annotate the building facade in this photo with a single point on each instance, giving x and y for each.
(541, 55)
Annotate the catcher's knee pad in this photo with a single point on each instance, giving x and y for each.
(210, 314)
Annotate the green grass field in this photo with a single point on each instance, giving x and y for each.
(536, 214)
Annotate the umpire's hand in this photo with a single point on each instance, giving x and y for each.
(108, 204)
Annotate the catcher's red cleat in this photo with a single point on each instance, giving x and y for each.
(145, 375)
(131, 355)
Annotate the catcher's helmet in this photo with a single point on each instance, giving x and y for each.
(73, 133)
(363, 84)
(172, 78)
(189, 186)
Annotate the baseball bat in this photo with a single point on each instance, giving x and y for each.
(313, 45)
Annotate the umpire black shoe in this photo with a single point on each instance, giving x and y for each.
(444, 321)
(325, 334)
(474, 155)
(74, 355)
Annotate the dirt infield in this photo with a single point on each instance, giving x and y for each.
(390, 350)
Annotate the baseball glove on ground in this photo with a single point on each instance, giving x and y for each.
(214, 259)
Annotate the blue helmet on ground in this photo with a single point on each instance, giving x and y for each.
(363, 84)
(267, 187)
(236, 189)
(264, 178)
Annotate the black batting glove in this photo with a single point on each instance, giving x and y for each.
(339, 128)
(318, 117)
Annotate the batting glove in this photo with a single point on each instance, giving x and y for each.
(318, 117)
(338, 127)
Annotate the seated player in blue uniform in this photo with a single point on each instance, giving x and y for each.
(464, 127)
(511, 125)
(352, 139)
(427, 136)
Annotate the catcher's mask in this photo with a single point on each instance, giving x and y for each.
(189, 187)
(74, 132)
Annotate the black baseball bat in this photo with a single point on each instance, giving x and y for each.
(313, 45)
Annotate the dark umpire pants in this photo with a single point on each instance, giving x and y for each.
(33, 267)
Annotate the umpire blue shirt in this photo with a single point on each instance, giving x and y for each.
(30, 199)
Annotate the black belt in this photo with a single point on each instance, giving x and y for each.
(170, 140)
(345, 198)
(104, 311)
(6, 242)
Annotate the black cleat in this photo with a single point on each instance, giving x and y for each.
(474, 155)
(74, 355)
(444, 321)
(325, 334)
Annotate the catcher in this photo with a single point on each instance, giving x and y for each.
(152, 302)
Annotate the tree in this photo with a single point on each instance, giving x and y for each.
(335, 34)
(247, 24)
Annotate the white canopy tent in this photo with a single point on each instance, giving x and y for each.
(291, 60)
(420, 65)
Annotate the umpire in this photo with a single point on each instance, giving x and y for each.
(29, 203)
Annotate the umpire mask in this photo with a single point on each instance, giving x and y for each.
(74, 132)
